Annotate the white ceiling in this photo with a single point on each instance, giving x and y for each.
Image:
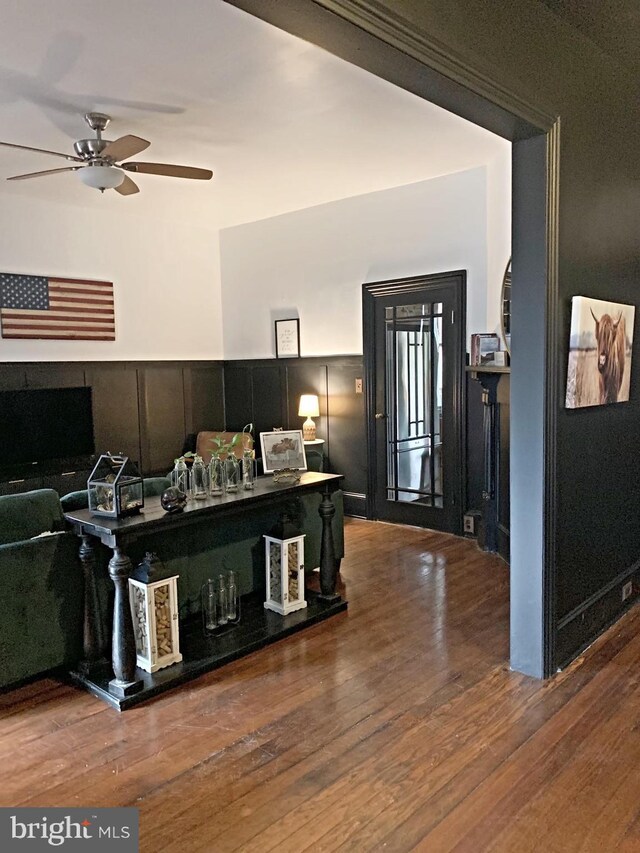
(283, 124)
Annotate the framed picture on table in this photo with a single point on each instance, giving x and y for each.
(282, 449)
(287, 338)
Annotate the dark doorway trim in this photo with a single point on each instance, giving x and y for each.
(415, 284)
(373, 36)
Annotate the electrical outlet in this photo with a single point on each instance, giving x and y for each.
(358, 386)
(469, 524)
(627, 590)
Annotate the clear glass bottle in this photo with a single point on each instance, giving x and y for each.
(232, 597)
(180, 476)
(210, 605)
(222, 600)
(231, 472)
(248, 470)
(199, 479)
(216, 475)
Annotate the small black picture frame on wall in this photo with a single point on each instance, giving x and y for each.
(288, 338)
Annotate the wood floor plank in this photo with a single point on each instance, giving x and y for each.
(396, 726)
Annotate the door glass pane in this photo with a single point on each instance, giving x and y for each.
(414, 367)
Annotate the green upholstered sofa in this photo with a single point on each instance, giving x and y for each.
(42, 590)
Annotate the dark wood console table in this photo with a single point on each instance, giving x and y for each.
(122, 684)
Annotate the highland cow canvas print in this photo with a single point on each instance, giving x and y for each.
(599, 352)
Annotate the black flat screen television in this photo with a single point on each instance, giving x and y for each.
(43, 425)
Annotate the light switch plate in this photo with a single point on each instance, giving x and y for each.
(358, 386)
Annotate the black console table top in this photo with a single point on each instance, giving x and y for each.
(153, 517)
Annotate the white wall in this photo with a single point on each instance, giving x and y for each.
(312, 263)
(165, 272)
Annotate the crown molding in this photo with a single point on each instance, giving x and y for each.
(377, 19)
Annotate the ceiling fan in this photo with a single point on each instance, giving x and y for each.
(100, 163)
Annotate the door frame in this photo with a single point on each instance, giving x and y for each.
(382, 38)
(415, 284)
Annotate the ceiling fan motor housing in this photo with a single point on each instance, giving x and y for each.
(90, 149)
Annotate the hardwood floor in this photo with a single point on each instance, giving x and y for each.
(396, 726)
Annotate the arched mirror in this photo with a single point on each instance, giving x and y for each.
(505, 308)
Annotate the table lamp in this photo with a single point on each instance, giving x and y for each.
(309, 408)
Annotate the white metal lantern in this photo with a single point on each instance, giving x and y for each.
(154, 608)
(284, 556)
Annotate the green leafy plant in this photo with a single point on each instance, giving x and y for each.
(223, 448)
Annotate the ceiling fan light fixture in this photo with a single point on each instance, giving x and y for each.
(101, 177)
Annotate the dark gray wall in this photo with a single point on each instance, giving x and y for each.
(530, 67)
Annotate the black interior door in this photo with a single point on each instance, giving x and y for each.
(414, 348)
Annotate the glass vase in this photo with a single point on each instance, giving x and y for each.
(199, 479)
(209, 596)
(248, 470)
(232, 598)
(180, 476)
(216, 476)
(231, 473)
(223, 601)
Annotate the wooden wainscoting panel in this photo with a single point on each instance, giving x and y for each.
(203, 397)
(13, 376)
(267, 396)
(47, 375)
(116, 424)
(161, 397)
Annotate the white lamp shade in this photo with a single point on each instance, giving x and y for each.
(101, 177)
(309, 406)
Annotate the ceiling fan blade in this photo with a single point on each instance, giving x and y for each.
(126, 146)
(47, 172)
(43, 151)
(127, 187)
(169, 170)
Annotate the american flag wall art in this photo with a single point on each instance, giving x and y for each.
(46, 308)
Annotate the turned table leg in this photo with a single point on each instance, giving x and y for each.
(124, 647)
(328, 565)
(92, 638)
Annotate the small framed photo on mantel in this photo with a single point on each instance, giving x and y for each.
(288, 338)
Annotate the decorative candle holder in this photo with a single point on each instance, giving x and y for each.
(284, 557)
(154, 609)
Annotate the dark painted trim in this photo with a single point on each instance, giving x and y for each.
(552, 399)
(619, 580)
(355, 504)
(504, 542)
(369, 364)
(399, 286)
(584, 624)
(395, 30)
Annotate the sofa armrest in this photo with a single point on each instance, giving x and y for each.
(28, 514)
(42, 611)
